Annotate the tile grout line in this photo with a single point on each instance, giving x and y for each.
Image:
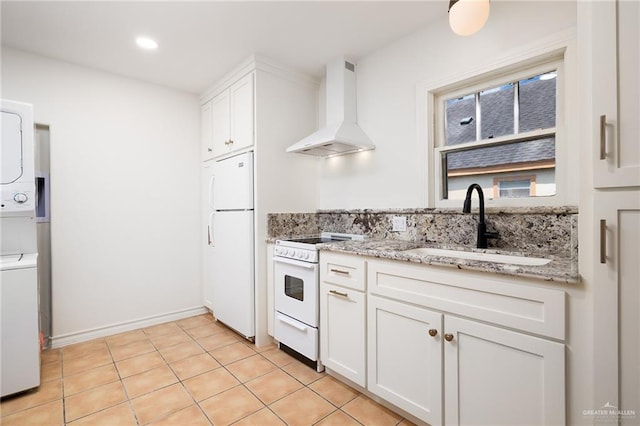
(194, 340)
(129, 401)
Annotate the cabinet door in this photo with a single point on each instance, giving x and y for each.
(220, 127)
(241, 101)
(499, 377)
(616, 299)
(616, 93)
(206, 131)
(342, 331)
(405, 360)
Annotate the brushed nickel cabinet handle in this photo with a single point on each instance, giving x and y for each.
(209, 149)
(338, 271)
(338, 293)
(433, 332)
(603, 241)
(448, 337)
(603, 137)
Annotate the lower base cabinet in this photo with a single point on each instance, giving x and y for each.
(405, 360)
(494, 376)
(423, 361)
(448, 347)
(342, 329)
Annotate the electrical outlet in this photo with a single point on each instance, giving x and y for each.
(399, 223)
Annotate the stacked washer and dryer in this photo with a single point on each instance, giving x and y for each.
(19, 338)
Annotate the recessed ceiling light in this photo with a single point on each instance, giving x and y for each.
(146, 43)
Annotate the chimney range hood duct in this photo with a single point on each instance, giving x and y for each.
(341, 135)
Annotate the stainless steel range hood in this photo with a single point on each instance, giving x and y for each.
(341, 135)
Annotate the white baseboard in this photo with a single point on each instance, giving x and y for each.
(83, 336)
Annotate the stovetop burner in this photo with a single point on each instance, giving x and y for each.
(311, 240)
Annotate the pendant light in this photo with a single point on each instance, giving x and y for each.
(467, 17)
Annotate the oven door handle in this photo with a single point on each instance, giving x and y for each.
(291, 323)
(295, 262)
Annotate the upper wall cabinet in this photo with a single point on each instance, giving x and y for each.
(227, 120)
(233, 117)
(616, 93)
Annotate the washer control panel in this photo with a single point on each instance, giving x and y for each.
(18, 199)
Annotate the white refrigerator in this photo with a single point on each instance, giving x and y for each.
(231, 237)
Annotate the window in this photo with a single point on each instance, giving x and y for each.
(514, 187)
(492, 131)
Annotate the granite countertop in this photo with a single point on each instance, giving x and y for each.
(559, 269)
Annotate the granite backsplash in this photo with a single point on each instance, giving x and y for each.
(530, 230)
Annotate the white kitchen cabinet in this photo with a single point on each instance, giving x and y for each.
(617, 298)
(343, 315)
(405, 357)
(342, 331)
(494, 376)
(206, 132)
(616, 92)
(232, 117)
(497, 365)
(490, 376)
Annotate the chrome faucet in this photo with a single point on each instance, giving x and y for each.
(482, 227)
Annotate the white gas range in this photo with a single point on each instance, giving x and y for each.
(297, 287)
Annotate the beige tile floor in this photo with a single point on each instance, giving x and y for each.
(189, 372)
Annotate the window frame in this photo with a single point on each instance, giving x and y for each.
(499, 179)
(507, 71)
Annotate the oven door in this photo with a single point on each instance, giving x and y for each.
(296, 289)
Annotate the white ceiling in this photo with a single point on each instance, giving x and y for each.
(201, 41)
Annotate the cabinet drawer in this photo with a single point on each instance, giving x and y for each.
(343, 270)
(495, 299)
(298, 336)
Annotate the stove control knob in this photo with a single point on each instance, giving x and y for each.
(299, 254)
(305, 255)
(290, 252)
(20, 198)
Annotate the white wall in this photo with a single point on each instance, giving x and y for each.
(124, 188)
(394, 175)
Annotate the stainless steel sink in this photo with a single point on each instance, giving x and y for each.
(485, 257)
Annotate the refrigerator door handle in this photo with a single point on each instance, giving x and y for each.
(212, 242)
(211, 181)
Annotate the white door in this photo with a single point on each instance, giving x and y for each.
(241, 101)
(617, 298)
(296, 289)
(206, 131)
(11, 148)
(232, 183)
(342, 331)
(499, 377)
(220, 131)
(616, 93)
(232, 272)
(405, 357)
